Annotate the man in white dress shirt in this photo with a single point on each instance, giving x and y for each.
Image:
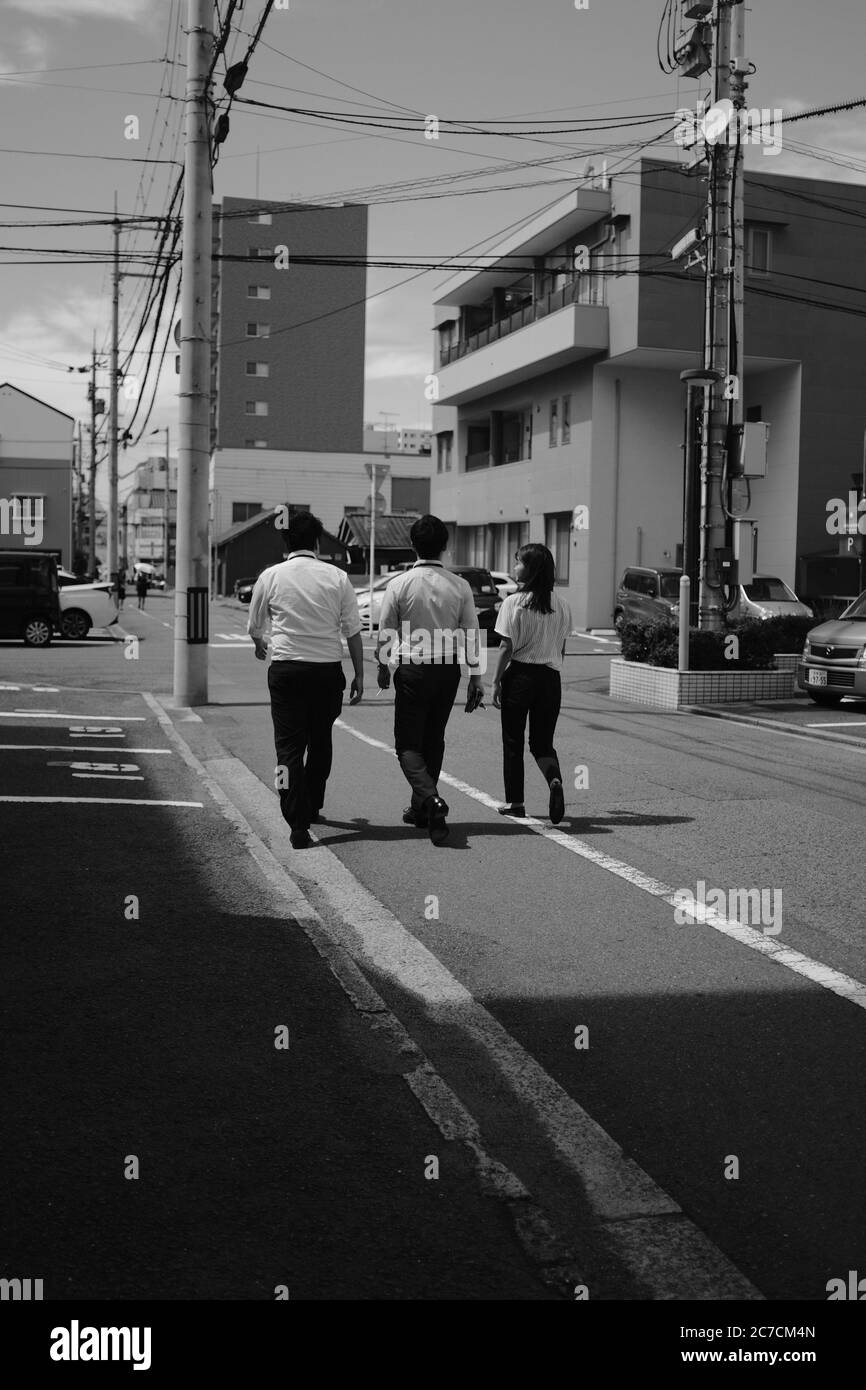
(310, 604)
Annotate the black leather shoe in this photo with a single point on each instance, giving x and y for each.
(416, 818)
(514, 809)
(437, 827)
(557, 801)
(301, 838)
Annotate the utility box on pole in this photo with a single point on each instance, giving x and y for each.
(193, 460)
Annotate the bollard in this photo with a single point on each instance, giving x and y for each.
(685, 610)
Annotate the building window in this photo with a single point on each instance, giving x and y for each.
(258, 292)
(444, 451)
(557, 538)
(554, 424)
(758, 249)
(511, 434)
(477, 447)
(258, 330)
(566, 419)
(256, 408)
(242, 511)
(255, 443)
(258, 369)
(261, 219)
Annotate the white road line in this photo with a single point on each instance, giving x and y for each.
(103, 776)
(97, 801)
(824, 975)
(36, 714)
(840, 724)
(74, 748)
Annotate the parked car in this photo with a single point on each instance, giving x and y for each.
(363, 597)
(83, 606)
(487, 598)
(29, 596)
(243, 589)
(647, 595)
(833, 664)
(505, 584)
(769, 597)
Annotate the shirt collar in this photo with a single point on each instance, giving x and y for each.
(428, 562)
(292, 553)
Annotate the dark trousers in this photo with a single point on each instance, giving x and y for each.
(306, 698)
(534, 692)
(423, 697)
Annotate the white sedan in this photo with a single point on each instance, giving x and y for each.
(83, 606)
(363, 597)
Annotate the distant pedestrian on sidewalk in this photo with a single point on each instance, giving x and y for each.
(141, 587)
(428, 613)
(309, 603)
(121, 591)
(534, 623)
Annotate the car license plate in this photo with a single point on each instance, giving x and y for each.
(817, 677)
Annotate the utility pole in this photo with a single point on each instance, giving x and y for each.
(723, 351)
(167, 499)
(192, 557)
(112, 419)
(91, 561)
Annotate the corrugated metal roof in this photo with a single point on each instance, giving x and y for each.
(392, 532)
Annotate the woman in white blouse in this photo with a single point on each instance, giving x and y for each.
(533, 624)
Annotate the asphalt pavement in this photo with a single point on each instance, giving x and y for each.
(657, 1110)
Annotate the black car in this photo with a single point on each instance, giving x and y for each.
(29, 596)
(243, 589)
(486, 596)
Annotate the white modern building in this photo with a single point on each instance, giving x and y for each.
(560, 409)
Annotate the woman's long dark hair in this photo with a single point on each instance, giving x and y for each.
(540, 576)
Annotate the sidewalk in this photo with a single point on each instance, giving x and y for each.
(152, 1038)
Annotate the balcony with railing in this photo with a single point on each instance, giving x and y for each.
(563, 325)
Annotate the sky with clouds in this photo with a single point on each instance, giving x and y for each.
(73, 71)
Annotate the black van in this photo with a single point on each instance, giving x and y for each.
(29, 596)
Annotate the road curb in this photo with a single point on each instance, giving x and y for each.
(776, 725)
(650, 1236)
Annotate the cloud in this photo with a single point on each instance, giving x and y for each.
(34, 47)
(384, 363)
(132, 11)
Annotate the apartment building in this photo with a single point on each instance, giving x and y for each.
(559, 389)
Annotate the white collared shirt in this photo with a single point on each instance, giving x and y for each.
(537, 638)
(429, 601)
(309, 604)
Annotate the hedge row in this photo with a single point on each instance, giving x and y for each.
(758, 641)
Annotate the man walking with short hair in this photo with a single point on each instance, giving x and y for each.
(310, 603)
(429, 621)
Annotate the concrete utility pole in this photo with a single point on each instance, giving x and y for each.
(724, 339)
(192, 558)
(167, 499)
(112, 420)
(91, 560)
